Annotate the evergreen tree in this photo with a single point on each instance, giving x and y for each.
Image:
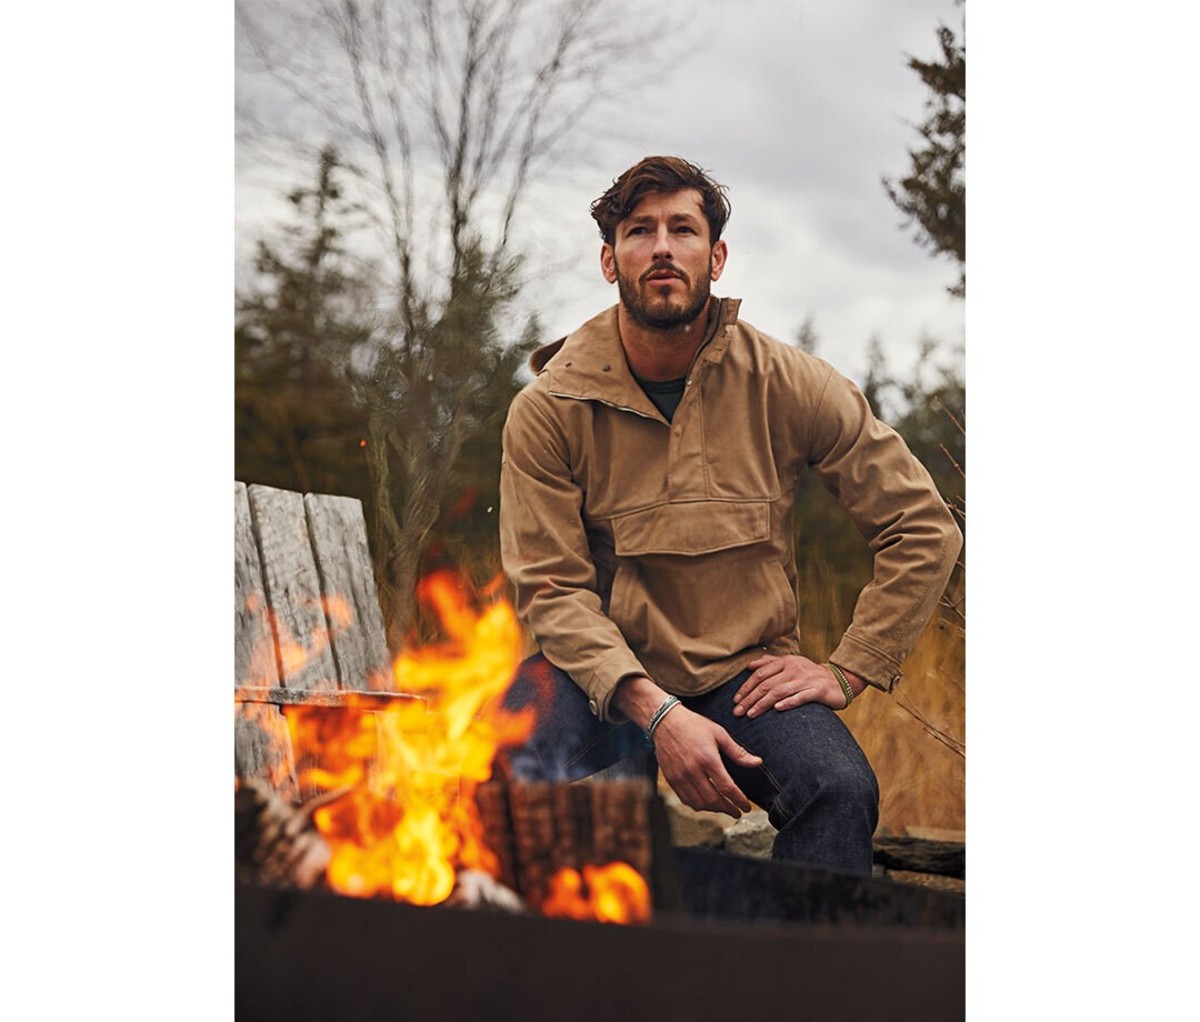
(806, 337)
(928, 409)
(298, 424)
(934, 192)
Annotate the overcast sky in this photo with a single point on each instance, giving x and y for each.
(799, 108)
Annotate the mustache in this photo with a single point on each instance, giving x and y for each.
(663, 267)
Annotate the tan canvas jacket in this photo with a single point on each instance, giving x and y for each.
(638, 546)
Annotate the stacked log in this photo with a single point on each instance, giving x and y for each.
(621, 823)
(492, 801)
(535, 829)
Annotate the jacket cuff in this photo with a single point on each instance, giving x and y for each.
(601, 682)
(872, 665)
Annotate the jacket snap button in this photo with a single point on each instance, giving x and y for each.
(594, 707)
(606, 367)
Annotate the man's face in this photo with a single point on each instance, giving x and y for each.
(662, 261)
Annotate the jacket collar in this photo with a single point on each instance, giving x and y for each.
(590, 363)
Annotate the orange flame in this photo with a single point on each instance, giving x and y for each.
(615, 893)
(409, 819)
(408, 768)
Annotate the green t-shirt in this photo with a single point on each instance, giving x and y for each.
(664, 393)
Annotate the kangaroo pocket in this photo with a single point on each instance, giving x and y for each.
(699, 581)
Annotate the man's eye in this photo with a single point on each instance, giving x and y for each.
(636, 230)
(685, 230)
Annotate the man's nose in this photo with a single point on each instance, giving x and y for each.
(662, 243)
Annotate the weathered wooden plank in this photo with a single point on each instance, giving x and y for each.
(253, 642)
(262, 747)
(339, 541)
(293, 589)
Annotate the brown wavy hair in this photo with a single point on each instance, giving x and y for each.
(660, 174)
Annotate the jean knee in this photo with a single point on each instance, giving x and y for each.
(856, 787)
(845, 785)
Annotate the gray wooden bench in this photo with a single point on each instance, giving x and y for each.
(307, 623)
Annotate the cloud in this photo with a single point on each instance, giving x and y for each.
(800, 107)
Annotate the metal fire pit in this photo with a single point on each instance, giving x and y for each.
(743, 936)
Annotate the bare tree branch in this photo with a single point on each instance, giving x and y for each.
(442, 112)
(948, 740)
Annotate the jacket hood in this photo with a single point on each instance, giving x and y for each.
(538, 360)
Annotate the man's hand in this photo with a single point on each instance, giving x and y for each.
(688, 747)
(785, 682)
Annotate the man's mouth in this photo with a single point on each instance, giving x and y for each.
(663, 275)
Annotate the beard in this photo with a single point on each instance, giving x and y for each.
(658, 313)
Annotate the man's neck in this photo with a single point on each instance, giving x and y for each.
(661, 354)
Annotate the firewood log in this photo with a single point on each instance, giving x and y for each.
(621, 823)
(559, 825)
(533, 836)
(492, 801)
(275, 842)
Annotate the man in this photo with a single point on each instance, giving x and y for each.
(648, 478)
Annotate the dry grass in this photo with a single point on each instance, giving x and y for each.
(914, 737)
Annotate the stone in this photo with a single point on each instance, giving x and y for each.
(691, 828)
(752, 835)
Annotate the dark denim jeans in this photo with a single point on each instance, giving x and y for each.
(819, 791)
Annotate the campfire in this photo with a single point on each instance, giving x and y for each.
(401, 803)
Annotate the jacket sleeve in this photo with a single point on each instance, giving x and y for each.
(545, 553)
(896, 507)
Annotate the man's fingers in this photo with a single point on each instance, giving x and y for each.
(766, 668)
(758, 703)
(706, 796)
(747, 698)
(715, 791)
(737, 803)
(729, 793)
(690, 797)
(732, 801)
(743, 757)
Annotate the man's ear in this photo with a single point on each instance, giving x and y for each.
(608, 263)
(720, 252)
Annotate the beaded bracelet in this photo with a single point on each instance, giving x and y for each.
(846, 689)
(668, 704)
